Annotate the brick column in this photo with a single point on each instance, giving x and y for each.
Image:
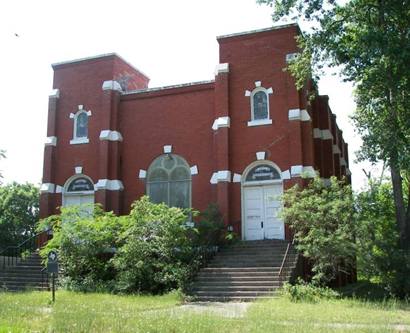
(221, 139)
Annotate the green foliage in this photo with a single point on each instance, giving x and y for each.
(19, 209)
(157, 249)
(150, 250)
(369, 42)
(379, 257)
(307, 292)
(322, 218)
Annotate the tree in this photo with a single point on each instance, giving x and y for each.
(322, 218)
(379, 259)
(2, 155)
(19, 209)
(369, 41)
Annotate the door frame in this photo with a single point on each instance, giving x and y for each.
(245, 184)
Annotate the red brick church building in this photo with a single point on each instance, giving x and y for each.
(238, 140)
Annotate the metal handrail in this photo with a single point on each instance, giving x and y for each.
(12, 254)
(285, 257)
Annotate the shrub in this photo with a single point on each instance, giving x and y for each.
(307, 292)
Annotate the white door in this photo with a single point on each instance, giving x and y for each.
(262, 207)
(85, 200)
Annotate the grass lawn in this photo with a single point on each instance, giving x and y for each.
(76, 312)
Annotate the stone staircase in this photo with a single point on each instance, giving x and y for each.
(25, 275)
(244, 272)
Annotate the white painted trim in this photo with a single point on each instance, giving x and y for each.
(72, 115)
(269, 90)
(80, 107)
(260, 155)
(297, 114)
(296, 170)
(259, 122)
(111, 85)
(111, 185)
(236, 178)
(224, 176)
(327, 135)
(108, 135)
(51, 141)
(214, 178)
(78, 170)
(286, 175)
(291, 57)
(222, 68)
(258, 84)
(317, 133)
(79, 141)
(348, 172)
(194, 170)
(308, 172)
(59, 189)
(55, 93)
(247, 93)
(305, 116)
(142, 174)
(343, 162)
(47, 188)
(167, 149)
(221, 122)
(336, 149)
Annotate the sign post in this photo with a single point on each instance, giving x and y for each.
(52, 268)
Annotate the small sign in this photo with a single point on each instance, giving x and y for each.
(52, 256)
(52, 264)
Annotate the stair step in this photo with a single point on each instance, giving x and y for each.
(234, 293)
(230, 298)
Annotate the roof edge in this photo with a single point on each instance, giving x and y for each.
(175, 86)
(250, 32)
(99, 56)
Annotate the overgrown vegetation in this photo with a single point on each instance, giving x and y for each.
(307, 292)
(151, 250)
(79, 312)
(323, 221)
(19, 210)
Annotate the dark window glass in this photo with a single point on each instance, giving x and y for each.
(80, 184)
(82, 125)
(262, 172)
(260, 106)
(169, 181)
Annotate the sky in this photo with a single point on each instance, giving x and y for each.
(171, 41)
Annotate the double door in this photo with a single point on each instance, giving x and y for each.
(262, 206)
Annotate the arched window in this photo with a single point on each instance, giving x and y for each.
(169, 181)
(79, 190)
(81, 125)
(260, 106)
(259, 98)
(80, 128)
(262, 172)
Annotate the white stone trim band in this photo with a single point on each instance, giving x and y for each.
(324, 134)
(167, 149)
(112, 85)
(47, 188)
(55, 93)
(222, 68)
(142, 174)
(194, 170)
(302, 171)
(111, 185)
(221, 122)
(298, 114)
(260, 155)
(336, 149)
(108, 135)
(51, 141)
(220, 176)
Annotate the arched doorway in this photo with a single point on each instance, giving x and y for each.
(78, 190)
(262, 187)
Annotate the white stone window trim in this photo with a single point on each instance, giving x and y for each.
(79, 140)
(251, 94)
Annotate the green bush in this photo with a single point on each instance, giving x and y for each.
(307, 292)
(150, 250)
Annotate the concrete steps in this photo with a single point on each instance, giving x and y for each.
(25, 275)
(244, 272)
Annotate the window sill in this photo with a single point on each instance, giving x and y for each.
(259, 122)
(79, 141)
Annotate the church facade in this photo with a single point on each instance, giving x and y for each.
(239, 140)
